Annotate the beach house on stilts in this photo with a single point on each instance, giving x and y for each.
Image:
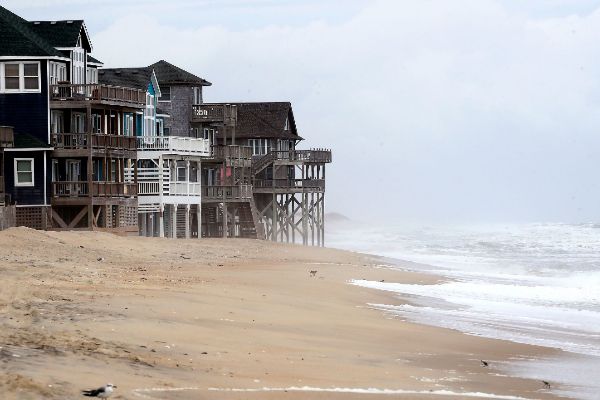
(168, 159)
(287, 184)
(72, 136)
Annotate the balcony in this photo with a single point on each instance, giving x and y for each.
(98, 141)
(208, 113)
(317, 156)
(215, 113)
(75, 189)
(226, 193)
(149, 183)
(97, 93)
(174, 144)
(291, 185)
(232, 152)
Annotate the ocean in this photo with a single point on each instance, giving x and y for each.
(529, 283)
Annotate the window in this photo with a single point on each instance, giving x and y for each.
(55, 175)
(259, 146)
(78, 66)
(128, 124)
(20, 77)
(96, 123)
(197, 95)
(181, 174)
(210, 135)
(23, 171)
(149, 116)
(30, 76)
(165, 94)
(11, 76)
(91, 75)
(58, 73)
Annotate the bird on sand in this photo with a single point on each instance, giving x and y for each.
(484, 363)
(102, 392)
(546, 384)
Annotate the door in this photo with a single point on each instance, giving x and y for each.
(74, 185)
(78, 123)
(57, 124)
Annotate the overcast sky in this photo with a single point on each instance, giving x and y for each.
(437, 111)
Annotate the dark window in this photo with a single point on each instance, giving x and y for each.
(165, 94)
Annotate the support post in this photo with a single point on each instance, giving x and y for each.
(161, 222)
(188, 221)
(174, 221)
(274, 219)
(199, 219)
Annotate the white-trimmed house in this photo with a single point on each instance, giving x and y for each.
(168, 167)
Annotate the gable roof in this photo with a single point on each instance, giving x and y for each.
(137, 78)
(166, 74)
(169, 74)
(62, 33)
(19, 39)
(26, 141)
(265, 120)
(92, 60)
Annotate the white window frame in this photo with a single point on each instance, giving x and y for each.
(198, 95)
(21, 88)
(260, 147)
(24, 184)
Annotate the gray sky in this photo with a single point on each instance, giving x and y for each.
(437, 111)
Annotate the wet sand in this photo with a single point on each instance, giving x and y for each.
(195, 319)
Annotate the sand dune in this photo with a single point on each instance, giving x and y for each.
(179, 319)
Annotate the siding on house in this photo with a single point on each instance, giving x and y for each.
(27, 112)
(28, 195)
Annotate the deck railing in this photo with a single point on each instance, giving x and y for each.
(175, 144)
(97, 92)
(114, 189)
(290, 183)
(307, 156)
(216, 193)
(231, 151)
(184, 188)
(99, 189)
(149, 183)
(208, 113)
(70, 189)
(81, 141)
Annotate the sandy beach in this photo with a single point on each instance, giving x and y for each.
(224, 319)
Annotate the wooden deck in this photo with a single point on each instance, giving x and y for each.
(79, 144)
(217, 194)
(312, 156)
(66, 189)
(64, 95)
(289, 185)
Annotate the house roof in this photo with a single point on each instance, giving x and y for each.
(137, 78)
(62, 33)
(20, 39)
(26, 141)
(92, 60)
(169, 74)
(265, 120)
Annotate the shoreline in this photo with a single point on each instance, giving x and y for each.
(224, 314)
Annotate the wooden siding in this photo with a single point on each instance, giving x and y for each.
(27, 112)
(27, 195)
